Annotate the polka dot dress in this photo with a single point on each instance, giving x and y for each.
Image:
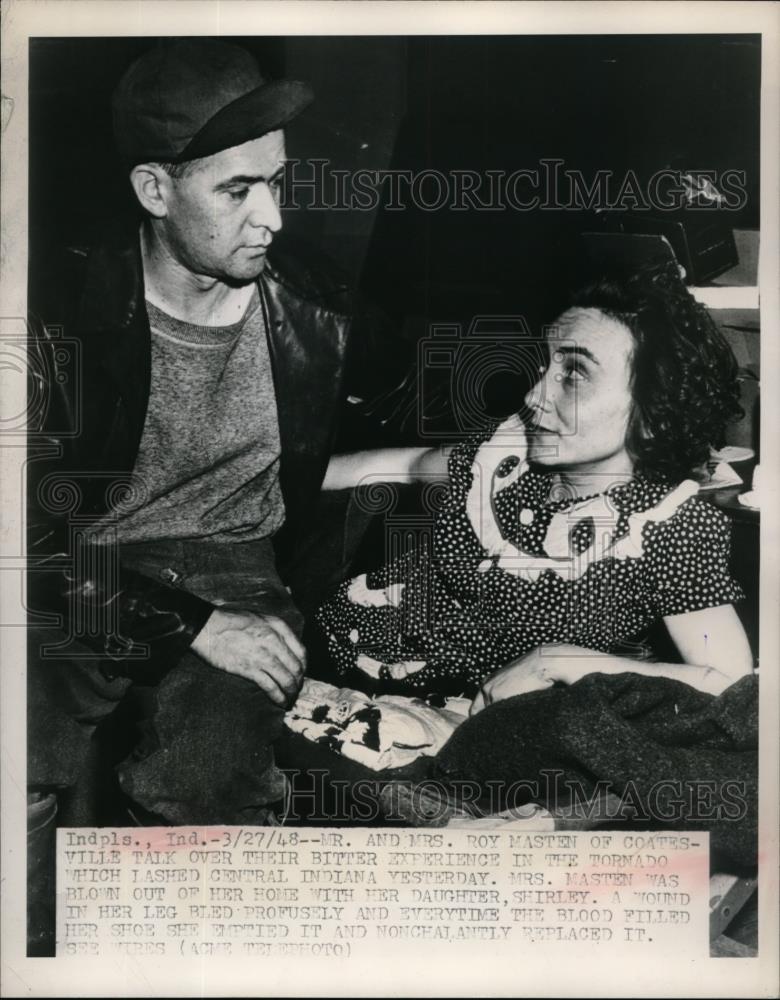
(464, 616)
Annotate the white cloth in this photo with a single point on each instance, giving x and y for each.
(385, 732)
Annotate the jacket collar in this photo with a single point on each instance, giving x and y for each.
(112, 318)
(113, 295)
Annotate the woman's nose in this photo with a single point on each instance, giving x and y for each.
(535, 397)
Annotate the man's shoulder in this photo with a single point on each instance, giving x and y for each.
(59, 273)
(308, 273)
(56, 273)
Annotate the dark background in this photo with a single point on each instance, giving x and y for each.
(495, 102)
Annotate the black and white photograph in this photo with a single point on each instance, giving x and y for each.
(389, 555)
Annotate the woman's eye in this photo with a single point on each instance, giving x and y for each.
(574, 374)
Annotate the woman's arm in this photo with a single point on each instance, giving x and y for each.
(396, 465)
(714, 638)
(712, 642)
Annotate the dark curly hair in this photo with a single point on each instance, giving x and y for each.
(684, 374)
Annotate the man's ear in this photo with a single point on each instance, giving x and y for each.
(150, 183)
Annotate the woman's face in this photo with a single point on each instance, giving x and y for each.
(581, 404)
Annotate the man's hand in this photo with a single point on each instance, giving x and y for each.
(530, 672)
(261, 648)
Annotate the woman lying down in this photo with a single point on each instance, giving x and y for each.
(561, 539)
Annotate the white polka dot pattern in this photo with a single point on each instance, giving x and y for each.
(466, 617)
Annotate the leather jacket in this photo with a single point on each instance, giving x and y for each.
(90, 367)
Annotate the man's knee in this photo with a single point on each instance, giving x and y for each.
(208, 756)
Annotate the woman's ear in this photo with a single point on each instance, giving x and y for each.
(150, 183)
(638, 436)
(639, 427)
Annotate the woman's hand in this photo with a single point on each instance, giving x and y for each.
(721, 662)
(395, 671)
(531, 672)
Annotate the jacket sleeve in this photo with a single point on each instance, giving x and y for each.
(135, 625)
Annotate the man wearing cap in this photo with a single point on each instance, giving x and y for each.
(181, 462)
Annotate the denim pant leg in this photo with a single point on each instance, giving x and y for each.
(207, 756)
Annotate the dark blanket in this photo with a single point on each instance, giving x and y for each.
(672, 755)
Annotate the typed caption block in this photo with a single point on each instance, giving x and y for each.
(231, 891)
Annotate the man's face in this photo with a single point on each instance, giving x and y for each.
(221, 218)
(582, 403)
